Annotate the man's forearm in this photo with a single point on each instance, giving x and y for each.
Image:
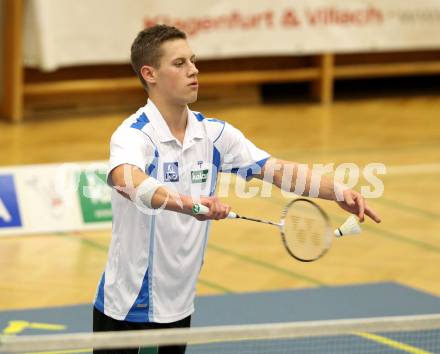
(298, 178)
(164, 198)
(129, 180)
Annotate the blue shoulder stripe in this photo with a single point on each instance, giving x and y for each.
(199, 116)
(247, 172)
(141, 121)
(221, 132)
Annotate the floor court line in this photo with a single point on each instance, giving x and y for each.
(377, 230)
(395, 236)
(265, 265)
(360, 150)
(215, 286)
(382, 232)
(80, 236)
(63, 351)
(407, 208)
(222, 250)
(392, 343)
(413, 169)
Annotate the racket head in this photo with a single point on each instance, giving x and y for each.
(305, 230)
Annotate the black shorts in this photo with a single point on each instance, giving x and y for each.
(103, 323)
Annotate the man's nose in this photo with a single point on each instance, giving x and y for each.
(193, 70)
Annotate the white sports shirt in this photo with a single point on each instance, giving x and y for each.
(154, 259)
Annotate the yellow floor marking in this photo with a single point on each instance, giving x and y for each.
(15, 327)
(392, 343)
(64, 351)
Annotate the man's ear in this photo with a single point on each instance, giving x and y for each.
(149, 74)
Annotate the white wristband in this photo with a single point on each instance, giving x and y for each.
(145, 192)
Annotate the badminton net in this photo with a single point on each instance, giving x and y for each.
(398, 334)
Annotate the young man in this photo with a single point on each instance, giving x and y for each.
(163, 160)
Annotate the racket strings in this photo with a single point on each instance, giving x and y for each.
(305, 231)
(316, 239)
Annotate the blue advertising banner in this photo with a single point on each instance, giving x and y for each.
(9, 211)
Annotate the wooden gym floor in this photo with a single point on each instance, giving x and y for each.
(402, 133)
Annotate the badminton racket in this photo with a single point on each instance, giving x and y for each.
(305, 228)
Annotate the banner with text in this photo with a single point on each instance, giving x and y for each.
(64, 32)
(54, 198)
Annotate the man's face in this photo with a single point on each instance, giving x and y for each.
(176, 76)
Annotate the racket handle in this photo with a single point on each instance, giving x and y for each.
(199, 209)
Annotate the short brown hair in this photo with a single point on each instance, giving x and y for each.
(146, 50)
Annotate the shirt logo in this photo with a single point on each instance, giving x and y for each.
(171, 171)
(200, 176)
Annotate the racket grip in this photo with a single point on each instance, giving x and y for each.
(199, 209)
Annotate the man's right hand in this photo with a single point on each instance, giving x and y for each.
(217, 209)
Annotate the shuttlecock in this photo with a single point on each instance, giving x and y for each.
(349, 227)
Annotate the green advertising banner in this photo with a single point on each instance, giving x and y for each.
(95, 197)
